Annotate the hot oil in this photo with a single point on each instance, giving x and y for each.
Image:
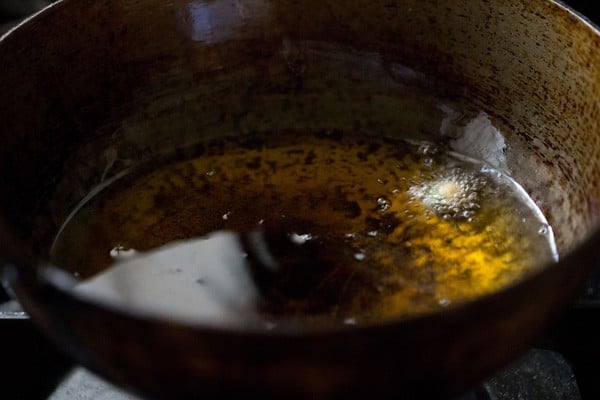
(347, 228)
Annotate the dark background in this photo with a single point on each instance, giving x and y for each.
(589, 8)
(30, 367)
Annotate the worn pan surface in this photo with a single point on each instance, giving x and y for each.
(137, 77)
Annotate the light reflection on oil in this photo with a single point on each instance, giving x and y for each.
(219, 21)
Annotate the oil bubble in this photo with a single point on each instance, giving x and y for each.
(383, 204)
(120, 251)
(455, 193)
(300, 238)
(427, 149)
(444, 302)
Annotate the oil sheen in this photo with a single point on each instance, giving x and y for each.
(323, 228)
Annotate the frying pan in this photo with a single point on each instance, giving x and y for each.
(83, 79)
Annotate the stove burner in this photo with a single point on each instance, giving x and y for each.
(540, 374)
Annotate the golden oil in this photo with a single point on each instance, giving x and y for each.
(400, 228)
